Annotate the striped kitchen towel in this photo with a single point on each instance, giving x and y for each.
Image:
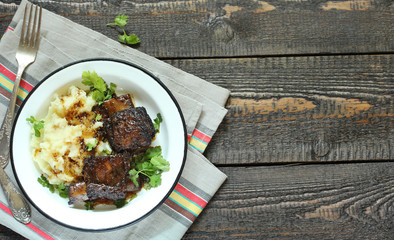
(202, 105)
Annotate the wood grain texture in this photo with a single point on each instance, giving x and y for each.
(8, 234)
(204, 28)
(302, 109)
(329, 201)
(310, 81)
(325, 201)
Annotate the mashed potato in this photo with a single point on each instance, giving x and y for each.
(69, 128)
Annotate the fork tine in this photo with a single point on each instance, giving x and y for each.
(26, 41)
(38, 27)
(32, 38)
(31, 32)
(37, 37)
(21, 41)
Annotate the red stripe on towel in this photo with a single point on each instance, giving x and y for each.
(11, 76)
(190, 195)
(201, 136)
(29, 225)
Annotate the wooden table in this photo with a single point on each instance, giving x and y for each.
(308, 141)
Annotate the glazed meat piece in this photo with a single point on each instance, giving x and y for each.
(105, 177)
(80, 192)
(108, 170)
(77, 193)
(116, 104)
(100, 191)
(130, 129)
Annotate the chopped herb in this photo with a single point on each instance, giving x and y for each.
(132, 197)
(98, 117)
(151, 164)
(134, 174)
(37, 125)
(89, 205)
(111, 91)
(99, 90)
(107, 151)
(92, 145)
(61, 188)
(45, 183)
(121, 21)
(154, 180)
(120, 203)
(159, 162)
(157, 121)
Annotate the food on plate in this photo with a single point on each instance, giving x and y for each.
(68, 128)
(130, 129)
(104, 178)
(94, 146)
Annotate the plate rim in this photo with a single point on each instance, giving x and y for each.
(133, 65)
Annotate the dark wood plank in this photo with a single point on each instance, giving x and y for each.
(282, 109)
(238, 28)
(8, 234)
(302, 109)
(328, 201)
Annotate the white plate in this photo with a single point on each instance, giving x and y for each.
(148, 92)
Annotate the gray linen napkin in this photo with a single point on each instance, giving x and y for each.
(202, 104)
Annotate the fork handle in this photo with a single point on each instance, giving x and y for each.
(20, 209)
(6, 126)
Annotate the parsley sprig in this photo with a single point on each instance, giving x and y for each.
(37, 125)
(61, 188)
(150, 164)
(157, 121)
(121, 21)
(98, 88)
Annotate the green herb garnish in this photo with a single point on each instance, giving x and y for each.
(98, 88)
(120, 203)
(107, 151)
(61, 188)
(157, 121)
(92, 145)
(89, 205)
(37, 125)
(151, 164)
(98, 117)
(121, 21)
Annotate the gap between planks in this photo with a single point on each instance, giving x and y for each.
(277, 56)
(294, 164)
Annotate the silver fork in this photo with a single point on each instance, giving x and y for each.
(25, 55)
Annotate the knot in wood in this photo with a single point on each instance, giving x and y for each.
(221, 29)
(321, 148)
